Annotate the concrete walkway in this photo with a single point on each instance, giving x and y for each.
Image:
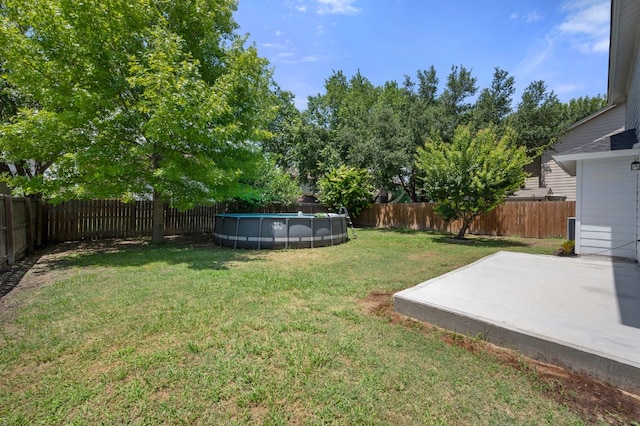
(580, 313)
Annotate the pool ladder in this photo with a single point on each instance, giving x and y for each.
(343, 211)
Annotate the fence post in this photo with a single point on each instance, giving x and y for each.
(39, 221)
(29, 230)
(8, 209)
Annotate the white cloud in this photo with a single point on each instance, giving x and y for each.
(290, 58)
(583, 28)
(278, 33)
(529, 17)
(299, 5)
(337, 7)
(284, 55)
(601, 46)
(587, 24)
(566, 88)
(536, 56)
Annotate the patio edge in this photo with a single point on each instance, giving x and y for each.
(622, 375)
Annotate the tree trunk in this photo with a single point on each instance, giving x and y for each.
(466, 222)
(157, 227)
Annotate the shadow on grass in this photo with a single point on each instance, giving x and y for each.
(486, 242)
(449, 238)
(200, 253)
(408, 231)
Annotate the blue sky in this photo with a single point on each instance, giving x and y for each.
(563, 42)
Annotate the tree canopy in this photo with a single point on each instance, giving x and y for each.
(379, 128)
(133, 98)
(163, 100)
(472, 174)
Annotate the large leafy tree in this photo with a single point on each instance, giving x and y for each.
(422, 116)
(456, 108)
(271, 185)
(133, 98)
(388, 149)
(472, 174)
(380, 128)
(539, 119)
(582, 107)
(285, 129)
(493, 105)
(11, 101)
(337, 126)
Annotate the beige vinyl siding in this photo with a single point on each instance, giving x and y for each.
(533, 171)
(553, 177)
(532, 182)
(559, 181)
(607, 223)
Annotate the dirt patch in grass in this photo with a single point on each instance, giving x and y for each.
(591, 399)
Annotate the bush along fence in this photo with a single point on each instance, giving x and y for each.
(529, 219)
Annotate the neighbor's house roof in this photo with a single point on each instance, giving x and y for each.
(621, 143)
(530, 194)
(614, 141)
(592, 116)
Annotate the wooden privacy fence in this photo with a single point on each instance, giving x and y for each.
(26, 223)
(530, 219)
(99, 219)
(19, 228)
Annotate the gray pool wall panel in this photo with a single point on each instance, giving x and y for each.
(279, 231)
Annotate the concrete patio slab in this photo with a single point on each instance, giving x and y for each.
(579, 313)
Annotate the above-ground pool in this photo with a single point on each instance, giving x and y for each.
(283, 230)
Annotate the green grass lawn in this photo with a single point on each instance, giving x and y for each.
(203, 335)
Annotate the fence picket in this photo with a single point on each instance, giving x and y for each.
(529, 219)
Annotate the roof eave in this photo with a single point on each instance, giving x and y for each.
(613, 44)
(609, 107)
(568, 162)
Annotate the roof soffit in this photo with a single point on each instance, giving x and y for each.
(623, 47)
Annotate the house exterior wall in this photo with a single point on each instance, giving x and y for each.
(606, 220)
(533, 174)
(633, 91)
(633, 120)
(638, 217)
(553, 177)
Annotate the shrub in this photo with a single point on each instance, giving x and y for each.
(346, 186)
